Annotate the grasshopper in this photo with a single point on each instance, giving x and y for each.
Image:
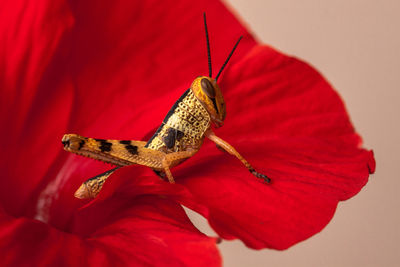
(178, 138)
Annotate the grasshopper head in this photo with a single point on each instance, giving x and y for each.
(209, 94)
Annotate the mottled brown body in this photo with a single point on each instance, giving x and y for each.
(178, 138)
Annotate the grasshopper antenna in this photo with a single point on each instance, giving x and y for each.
(208, 46)
(226, 61)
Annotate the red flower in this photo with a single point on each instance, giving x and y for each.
(113, 70)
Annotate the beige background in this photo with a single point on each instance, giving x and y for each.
(356, 45)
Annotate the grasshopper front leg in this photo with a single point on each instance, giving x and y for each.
(231, 150)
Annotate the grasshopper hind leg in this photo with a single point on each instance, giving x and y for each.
(92, 186)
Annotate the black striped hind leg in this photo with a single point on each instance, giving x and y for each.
(92, 186)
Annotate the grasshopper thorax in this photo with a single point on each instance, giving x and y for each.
(210, 96)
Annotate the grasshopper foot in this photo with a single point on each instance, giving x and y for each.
(261, 176)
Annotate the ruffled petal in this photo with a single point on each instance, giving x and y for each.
(287, 121)
(135, 229)
(76, 67)
(35, 99)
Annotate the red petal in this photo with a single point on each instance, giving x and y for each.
(35, 102)
(286, 120)
(124, 230)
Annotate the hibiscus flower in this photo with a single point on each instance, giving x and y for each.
(113, 70)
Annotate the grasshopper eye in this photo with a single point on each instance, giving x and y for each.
(207, 88)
